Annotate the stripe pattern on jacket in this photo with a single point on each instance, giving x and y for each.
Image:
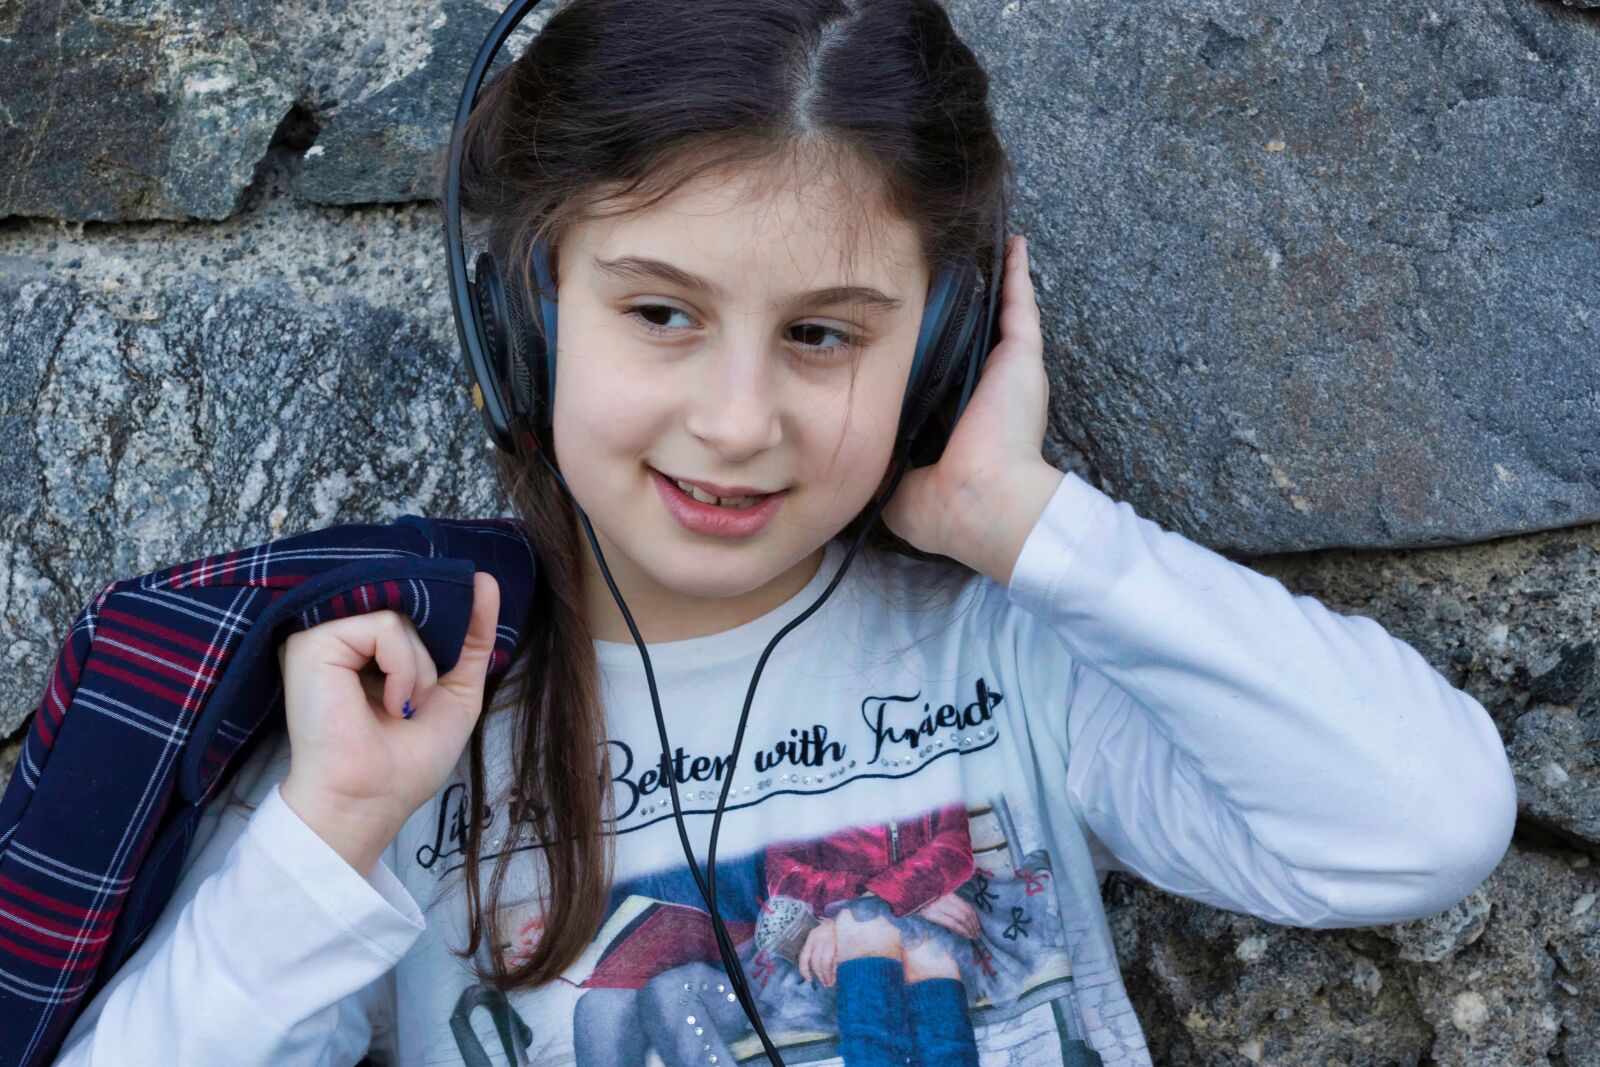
(163, 684)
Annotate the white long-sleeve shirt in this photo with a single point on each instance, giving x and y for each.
(1133, 700)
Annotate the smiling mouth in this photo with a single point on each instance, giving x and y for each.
(733, 503)
(727, 519)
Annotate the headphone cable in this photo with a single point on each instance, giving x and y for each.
(708, 881)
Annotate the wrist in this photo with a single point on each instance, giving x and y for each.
(358, 837)
(1002, 512)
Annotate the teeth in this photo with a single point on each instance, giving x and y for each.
(698, 493)
(737, 503)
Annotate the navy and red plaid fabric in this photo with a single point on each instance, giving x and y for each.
(163, 684)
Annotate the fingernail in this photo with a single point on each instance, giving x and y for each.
(405, 712)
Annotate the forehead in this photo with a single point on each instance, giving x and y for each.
(766, 227)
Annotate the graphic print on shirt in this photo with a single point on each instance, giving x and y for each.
(920, 938)
(905, 942)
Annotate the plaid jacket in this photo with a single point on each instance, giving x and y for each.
(164, 683)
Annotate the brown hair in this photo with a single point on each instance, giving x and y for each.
(627, 100)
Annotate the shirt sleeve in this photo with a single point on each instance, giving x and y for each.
(1250, 748)
(277, 936)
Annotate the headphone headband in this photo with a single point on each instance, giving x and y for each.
(954, 339)
(490, 320)
(486, 394)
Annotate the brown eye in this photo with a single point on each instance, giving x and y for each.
(648, 313)
(814, 337)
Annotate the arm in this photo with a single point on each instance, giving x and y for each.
(1247, 747)
(800, 870)
(269, 952)
(928, 872)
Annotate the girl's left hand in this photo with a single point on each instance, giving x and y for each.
(996, 450)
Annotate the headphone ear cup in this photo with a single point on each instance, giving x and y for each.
(945, 338)
(542, 352)
(523, 356)
(493, 318)
(515, 340)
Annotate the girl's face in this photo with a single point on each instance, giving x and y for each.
(706, 338)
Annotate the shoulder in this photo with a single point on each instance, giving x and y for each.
(926, 598)
(968, 637)
(934, 587)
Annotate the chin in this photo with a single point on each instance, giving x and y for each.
(714, 572)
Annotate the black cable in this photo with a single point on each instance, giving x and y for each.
(493, 406)
(724, 948)
(738, 737)
(707, 882)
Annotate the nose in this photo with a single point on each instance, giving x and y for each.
(735, 407)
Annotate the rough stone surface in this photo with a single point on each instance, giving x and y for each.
(1557, 757)
(1273, 234)
(132, 109)
(257, 416)
(1215, 988)
(158, 110)
(384, 255)
(1441, 936)
(1318, 289)
(8, 756)
(387, 146)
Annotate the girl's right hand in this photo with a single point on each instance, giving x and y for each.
(819, 956)
(358, 766)
(955, 913)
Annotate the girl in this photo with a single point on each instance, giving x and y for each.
(1021, 683)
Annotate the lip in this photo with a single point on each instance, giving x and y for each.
(709, 519)
(718, 490)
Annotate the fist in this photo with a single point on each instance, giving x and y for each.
(359, 765)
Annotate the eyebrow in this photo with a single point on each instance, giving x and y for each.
(644, 268)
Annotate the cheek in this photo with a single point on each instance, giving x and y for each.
(601, 406)
(596, 417)
(601, 425)
(849, 457)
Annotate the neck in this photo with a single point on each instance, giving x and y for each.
(664, 614)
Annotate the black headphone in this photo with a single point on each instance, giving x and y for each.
(501, 342)
(521, 348)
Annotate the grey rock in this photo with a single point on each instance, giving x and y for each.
(1313, 998)
(388, 146)
(137, 109)
(1214, 987)
(1441, 936)
(384, 255)
(9, 751)
(1498, 1001)
(1266, 235)
(202, 420)
(1556, 757)
(1573, 679)
(174, 105)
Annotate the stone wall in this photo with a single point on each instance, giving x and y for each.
(1319, 284)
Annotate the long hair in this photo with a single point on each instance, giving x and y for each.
(620, 102)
